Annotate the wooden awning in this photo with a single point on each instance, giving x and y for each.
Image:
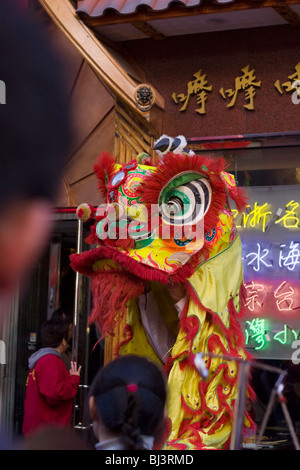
(117, 11)
(96, 8)
(96, 54)
(121, 20)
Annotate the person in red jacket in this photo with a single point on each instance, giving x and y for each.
(50, 387)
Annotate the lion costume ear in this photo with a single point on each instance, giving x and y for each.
(166, 144)
(238, 195)
(144, 159)
(104, 169)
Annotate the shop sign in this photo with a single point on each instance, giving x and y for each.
(245, 84)
(270, 234)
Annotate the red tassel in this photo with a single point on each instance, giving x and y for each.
(240, 198)
(111, 294)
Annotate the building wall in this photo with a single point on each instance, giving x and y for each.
(101, 122)
(92, 114)
(273, 53)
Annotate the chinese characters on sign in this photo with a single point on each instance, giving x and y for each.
(259, 330)
(292, 84)
(276, 256)
(257, 294)
(245, 84)
(270, 234)
(198, 87)
(256, 331)
(261, 216)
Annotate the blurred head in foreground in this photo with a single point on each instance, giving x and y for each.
(127, 404)
(34, 139)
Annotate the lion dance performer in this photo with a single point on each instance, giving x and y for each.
(166, 259)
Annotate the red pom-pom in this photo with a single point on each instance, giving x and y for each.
(85, 212)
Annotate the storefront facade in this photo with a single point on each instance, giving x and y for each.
(232, 92)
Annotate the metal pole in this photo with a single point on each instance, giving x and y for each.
(287, 417)
(269, 408)
(239, 408)
(77, 296)
(250, 362)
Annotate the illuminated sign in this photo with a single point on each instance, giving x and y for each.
(259, 336)
(261, 216)
(270, 235)
(281, 256)
(273, 297)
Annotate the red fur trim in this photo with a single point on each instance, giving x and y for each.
(243, 294)
(125, 244)
(226, 445)
(83, 263)
(91, 239)
(171, 360)
(190, 431)
(172, 165)
(204, 422)
(234, 333)
(111, 294)
(184, 426)
(214, 344)
(128, 334)
(223, 401)
(220, 422)
(240, 197)
(192, 326)
(104, 169)
(233, 312)
(196, 439)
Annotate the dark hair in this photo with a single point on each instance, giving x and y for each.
(130, 393)
(35, 129)
(61, 314)
(53, 332)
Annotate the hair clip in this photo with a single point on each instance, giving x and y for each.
(131, 388)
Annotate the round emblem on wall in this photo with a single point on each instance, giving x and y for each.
(144, 97)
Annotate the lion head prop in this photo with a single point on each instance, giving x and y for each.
(166, 259)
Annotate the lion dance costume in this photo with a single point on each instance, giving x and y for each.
(168, 225)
